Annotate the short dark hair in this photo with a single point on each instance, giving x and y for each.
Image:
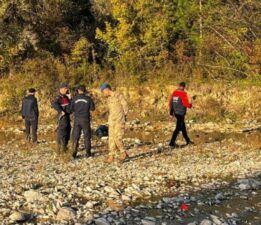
(81, 88)
(31, 90)
(182, 84)
(109, 87)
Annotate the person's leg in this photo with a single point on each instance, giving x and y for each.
(34, 124)
(184, 130)
(87, 137)
(66, 132)
(112, 147)
(62, 134)
(77, 129)
(118, 139)
(176, 131)
(27, 129)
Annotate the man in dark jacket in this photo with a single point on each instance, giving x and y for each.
(178, 104)
(62, 104)
(81, 106)
(30, 114)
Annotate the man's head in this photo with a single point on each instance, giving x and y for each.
(81, 89)
(182, 86)
(64, 89)
(31, 91)
(106, 89)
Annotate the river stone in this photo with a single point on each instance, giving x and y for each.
(66, 213)
(32, 196)
(17, 217)
(101, 221)
(193, 223)
(148, 221)
(216, 220)
(206, 222)
(89, 205)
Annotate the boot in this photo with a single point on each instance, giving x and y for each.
(123, 156)
(110, 159)
(190, 143)
(64, 148)
(58, 148)
(88, 154)
(173, 146)
(75, 150)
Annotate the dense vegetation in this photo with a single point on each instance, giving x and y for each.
(46, 41)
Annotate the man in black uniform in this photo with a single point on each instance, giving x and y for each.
(62, 105)
(30, 114)
(81, 106)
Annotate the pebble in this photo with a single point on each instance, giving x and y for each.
(66, 213)
(17, 217)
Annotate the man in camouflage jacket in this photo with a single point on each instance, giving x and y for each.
(118, 110)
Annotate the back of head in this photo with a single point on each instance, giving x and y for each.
(82, 89)
(182, 85)
(31, 91)
(105, 86)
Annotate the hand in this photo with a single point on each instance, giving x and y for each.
(62, 113)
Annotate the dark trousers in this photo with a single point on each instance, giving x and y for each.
(82, 125)
(31, 126)
(180, 126)
(63, 132)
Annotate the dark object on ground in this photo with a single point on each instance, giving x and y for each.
(102, 131)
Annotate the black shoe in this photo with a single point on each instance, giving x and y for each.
(190, 143)
(173, 146)
(74, 155)
(88, 154)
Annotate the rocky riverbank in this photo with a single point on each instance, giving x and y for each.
(40, 187)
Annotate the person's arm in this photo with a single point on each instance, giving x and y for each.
(36, 108)
(124, 105)
(92, 106)
(73, 106)
(170, 104)
(56, 105)
(185, 100)
(23, 116)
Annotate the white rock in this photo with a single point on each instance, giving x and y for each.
(148, 222)
(66, 213)
(17, 217)
(101, 221)
(206, 222)
(32, 196)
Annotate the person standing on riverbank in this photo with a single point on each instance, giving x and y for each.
(30, 114)
(178, 105)
(118, 110)
(81, 106)
(62, 105)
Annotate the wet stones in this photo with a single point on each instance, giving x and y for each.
(148, 221)
(206, 222)
(101, 221)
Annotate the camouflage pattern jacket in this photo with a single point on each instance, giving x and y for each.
(118, 109)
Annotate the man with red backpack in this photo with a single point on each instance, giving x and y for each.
(178, 105)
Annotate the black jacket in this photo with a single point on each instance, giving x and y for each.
(30, 107)
(82, 105)
(62, 103)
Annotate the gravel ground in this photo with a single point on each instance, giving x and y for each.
(38, 186)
